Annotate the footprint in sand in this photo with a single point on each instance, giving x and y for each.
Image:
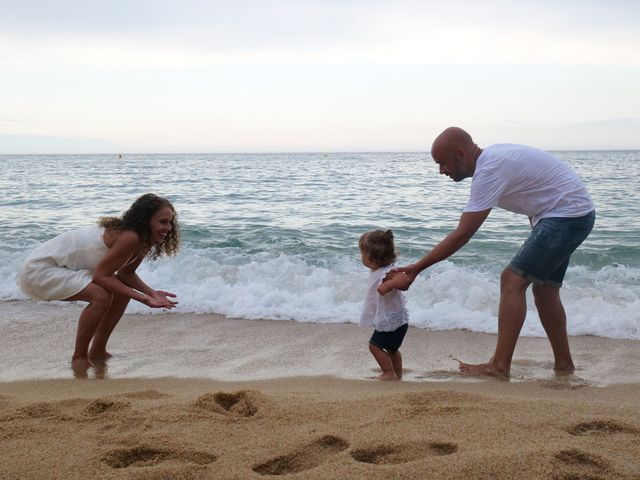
(305, 458)
(580, 465)
(242, 404)
(146, 395)
(601, 427)
(442, 397)
(143, 456)
(104, 405)
(68, 409)
(395, 454)
(438, 403)
(40, 410)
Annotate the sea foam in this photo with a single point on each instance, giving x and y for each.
(603, 302)
(447, 296)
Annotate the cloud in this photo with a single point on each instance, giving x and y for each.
(14, 120)
(200, 33)
(612, 122)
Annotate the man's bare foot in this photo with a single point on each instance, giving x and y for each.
(481, 369)
(386, 376)
(564, 368)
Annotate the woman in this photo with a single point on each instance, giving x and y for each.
(98, 265)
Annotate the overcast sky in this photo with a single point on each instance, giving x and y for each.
(263, 76)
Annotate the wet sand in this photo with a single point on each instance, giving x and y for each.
(37, 341)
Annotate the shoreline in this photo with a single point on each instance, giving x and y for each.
(39, 340)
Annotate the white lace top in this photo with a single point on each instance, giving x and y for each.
(386, 313)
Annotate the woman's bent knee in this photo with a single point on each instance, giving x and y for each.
(100, 298)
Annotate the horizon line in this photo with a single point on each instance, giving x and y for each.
(321, 152)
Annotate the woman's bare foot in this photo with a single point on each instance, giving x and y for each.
(480, 369)
(101, 355)
(387, 376)
(80, 367)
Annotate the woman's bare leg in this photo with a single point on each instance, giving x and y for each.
(98, 349)
(99, 302)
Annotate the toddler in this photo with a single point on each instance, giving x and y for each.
(384, 305)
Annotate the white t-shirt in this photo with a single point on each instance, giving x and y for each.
(386, 313)
(529, 181)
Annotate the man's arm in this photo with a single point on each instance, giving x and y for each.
(467, 226)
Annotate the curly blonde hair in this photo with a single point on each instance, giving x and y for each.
(138, 218)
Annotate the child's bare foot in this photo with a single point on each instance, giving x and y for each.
(387, 376)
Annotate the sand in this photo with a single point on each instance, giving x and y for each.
(321, 425)
(318, 428)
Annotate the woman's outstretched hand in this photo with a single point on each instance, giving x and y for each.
(160, 300)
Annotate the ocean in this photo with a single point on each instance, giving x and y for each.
(275, 236)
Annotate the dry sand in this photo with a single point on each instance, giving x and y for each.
(318, 428)
(432, 425)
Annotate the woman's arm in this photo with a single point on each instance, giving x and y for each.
(126, 246)
(127, 274)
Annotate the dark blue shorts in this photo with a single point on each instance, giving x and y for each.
(544, 257)
(389, 341)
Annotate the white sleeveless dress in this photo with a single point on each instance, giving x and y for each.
(64, 265)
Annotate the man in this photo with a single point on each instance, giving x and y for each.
(534, 183)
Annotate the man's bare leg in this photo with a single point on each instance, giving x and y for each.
(554, 321)
(98, 350)
(511, 315)
(384, 361)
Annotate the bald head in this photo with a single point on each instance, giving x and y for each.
(454, 151)
(451, 138)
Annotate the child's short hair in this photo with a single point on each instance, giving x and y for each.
(378, 246)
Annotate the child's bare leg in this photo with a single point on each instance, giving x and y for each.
(396, 362)
(384, 361)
